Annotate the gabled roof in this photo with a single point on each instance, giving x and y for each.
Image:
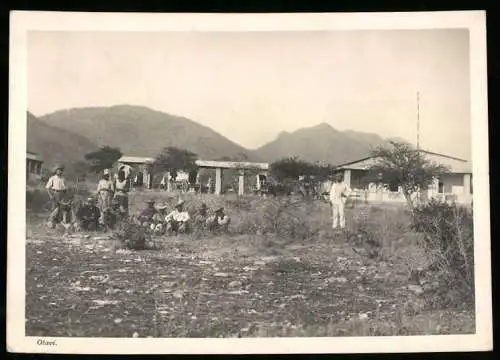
(455, 164)
(136, 160)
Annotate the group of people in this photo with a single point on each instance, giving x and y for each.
(110, 204)
(178, 220)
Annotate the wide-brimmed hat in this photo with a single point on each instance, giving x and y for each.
(203, 206)
(161, 206)
(149, 202)
(220, 209)
(90, 199)
(58, 167)
(179, 203)
(106, 172)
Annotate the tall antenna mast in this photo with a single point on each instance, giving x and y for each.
(418, 120)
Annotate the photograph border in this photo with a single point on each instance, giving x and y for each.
(21, 22)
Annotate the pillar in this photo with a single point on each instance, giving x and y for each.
(467, 187)
(241, 183)
(218, 181)
(347, 177)
(257, 184)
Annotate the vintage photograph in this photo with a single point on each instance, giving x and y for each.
(235, 184)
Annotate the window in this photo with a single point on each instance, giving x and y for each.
(440, 187)
(394, 187)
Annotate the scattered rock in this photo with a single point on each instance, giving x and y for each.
(417, 289)
(234, 284)
(221, 274)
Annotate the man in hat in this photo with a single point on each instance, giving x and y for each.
(56, 188)
(105, 192)
(88, 216)
(177, 220)
(147, 214)
(339, 193)
(158, 221)
(219, 221)
(202, 215)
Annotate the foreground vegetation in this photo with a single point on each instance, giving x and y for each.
(280, 272)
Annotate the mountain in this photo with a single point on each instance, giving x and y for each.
(320, 143)
(54, 144)
(140, 131)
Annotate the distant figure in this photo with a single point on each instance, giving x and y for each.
(158, 223)
(105, 192)
(122, 187)
(338, 196)
(219, 221)
(209, 185)
(87, 217)
(56, 188)
(146, 216)
(178, 219)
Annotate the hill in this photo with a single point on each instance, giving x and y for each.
(320, 143)
(140, 131)
(54, 144)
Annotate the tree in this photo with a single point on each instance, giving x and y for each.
(173, 159)
(289, 169)
(104, 158)
(400, 164)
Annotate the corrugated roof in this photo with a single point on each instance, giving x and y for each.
(136, 160)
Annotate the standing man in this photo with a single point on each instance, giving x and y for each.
(56, 188)
(338, 196)
(105, 192)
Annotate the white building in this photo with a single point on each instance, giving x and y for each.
(33, 166)
(455, 185)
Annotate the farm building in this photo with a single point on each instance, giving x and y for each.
(455, 185)
(33, 166)
(142, 169)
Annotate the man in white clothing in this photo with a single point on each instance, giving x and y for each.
(339, 192)
(177, 220)
(56, 188)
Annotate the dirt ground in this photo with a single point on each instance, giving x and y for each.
(235, 285)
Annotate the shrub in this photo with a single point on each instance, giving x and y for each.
(132, 235)
(449, 243)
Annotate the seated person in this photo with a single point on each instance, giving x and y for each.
(66, 214)
(158, 221)
(88, 215)
(202, 215)
(218, 221)
(109, 218)
(177, 220)
(146, 215)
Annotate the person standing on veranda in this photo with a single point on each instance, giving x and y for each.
(339, 192)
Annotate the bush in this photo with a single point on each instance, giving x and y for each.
(131, 235)
(449, 243)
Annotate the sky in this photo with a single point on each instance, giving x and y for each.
(250, 86)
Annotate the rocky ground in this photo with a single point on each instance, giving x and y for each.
(223, 286)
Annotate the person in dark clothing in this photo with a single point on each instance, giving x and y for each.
(146, 216)
(88, 216)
